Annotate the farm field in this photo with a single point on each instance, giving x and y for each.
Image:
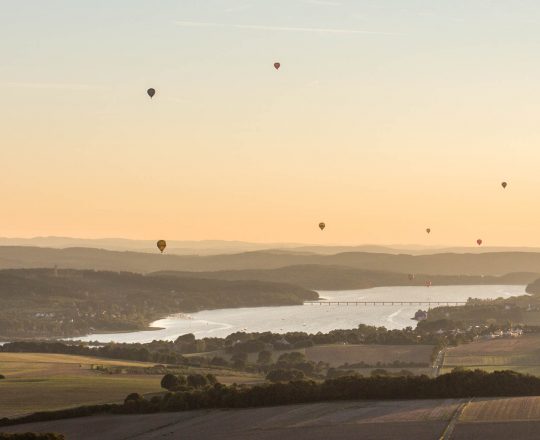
(500, 418)
(518, 354)
(502, 409)
(37, 382)
(419, 419)
(490, 418)
(337, 355)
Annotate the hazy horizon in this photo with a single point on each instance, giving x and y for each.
(216, 246)
(382, 120)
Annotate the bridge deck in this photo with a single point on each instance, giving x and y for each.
(385, 303)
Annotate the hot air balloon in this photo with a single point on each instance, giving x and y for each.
(322, 225)
(161, 244)
(277, 65)
(504, 184)
(428, 230)
(479, 242)
(151, 92)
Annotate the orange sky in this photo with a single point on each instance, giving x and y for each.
(381, 121)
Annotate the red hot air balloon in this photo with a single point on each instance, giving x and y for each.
(479, 242)
(277, 66)
(151, 92)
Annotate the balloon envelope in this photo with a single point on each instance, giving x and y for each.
(428, 230)
(161, 244)
(504, 184)
(277, 65)
(479, 242)
(322, 225)
(151, 92)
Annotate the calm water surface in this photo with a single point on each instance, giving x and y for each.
(312, 318)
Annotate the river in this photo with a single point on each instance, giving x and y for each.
(311, 318)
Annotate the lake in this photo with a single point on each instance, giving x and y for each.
(311, 318)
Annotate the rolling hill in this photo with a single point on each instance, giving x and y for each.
(44, 302)
(490, 263)
(320, 277)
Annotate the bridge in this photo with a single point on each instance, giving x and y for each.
(386, 303)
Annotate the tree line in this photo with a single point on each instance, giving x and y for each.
(457, 384)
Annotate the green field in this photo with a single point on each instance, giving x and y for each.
(37, 382)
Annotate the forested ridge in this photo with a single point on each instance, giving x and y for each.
(48, 302)
(488, 263)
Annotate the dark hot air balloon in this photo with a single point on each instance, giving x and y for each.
(161, 244)
(277, 66)
(504, 184)
(322, 225)
(428, 230)
(479, 242)
(151, 92)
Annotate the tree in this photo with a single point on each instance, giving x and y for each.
(219, 361)
(170, 382)
(212, 380)
(133, 397)
(292, 358)
(197, 380)
(280, 375)
(239, 360)
(264, 357)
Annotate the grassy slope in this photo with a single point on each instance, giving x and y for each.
(37, 382)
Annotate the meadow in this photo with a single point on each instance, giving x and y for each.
(348, 356)
(337, 355)
(38, 382)
(519, 354)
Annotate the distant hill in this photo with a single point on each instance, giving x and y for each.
(216, 247)
(320, 277)
(45, 302)
(177, 247)
(491, 263)
(534, 287)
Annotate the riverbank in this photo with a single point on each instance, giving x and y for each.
(311, 318)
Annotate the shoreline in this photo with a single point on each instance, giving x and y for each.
(206, 326)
